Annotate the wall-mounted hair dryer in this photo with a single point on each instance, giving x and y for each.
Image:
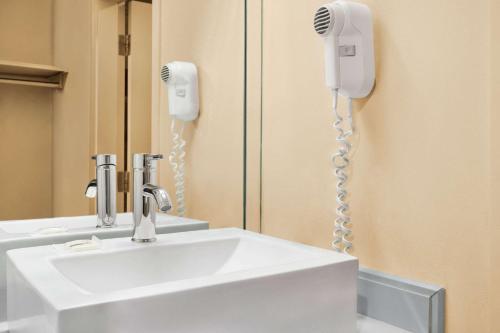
(346, 28)
(181, 79)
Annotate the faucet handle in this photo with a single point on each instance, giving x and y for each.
(104, 159)
(146, 160)
(153, 157)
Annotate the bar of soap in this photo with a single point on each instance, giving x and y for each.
(83, 244)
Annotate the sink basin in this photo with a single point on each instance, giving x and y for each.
(96, 273)
(28, 233)
(225, 280)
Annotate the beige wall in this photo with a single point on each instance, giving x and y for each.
(420, 189)
(19, 22)
(253, 114)
(53, 132)
(73, 107)
(200, 32)
(110, 85)
(82, 124)
(25, 113)
(494, 234)
(25, 142)
(139, 81)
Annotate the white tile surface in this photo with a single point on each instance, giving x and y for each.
(369, 325)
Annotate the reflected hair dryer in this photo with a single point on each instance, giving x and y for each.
(181, 79)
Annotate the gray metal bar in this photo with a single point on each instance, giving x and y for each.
(411, 305)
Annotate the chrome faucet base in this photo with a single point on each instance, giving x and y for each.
(147, 240)
(103, 188)
(147, 197)
(105, 226)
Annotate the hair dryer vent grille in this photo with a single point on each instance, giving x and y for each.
(323, 19)
(165, 73)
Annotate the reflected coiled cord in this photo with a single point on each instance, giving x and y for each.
(342, 234)
(176, 159)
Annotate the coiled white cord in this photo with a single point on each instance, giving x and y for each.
(342, 235)
(176, 159)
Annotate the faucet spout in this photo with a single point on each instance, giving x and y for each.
(91, 190)
(159, 195)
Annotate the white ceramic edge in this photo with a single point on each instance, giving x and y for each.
(62, 294)
(364, 324)
(163, 220)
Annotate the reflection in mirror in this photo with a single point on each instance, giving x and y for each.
(213, 39)
(87, 147)
(82, 77)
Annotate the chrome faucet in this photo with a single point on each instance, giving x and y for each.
(104, 187)
(147, 196)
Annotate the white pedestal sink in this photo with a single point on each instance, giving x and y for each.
(213, 281)
(28, 233)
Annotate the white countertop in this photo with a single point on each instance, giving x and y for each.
(370, 325)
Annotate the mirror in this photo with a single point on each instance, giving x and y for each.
(82, 77)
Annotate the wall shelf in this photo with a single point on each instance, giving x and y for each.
(14, 72)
